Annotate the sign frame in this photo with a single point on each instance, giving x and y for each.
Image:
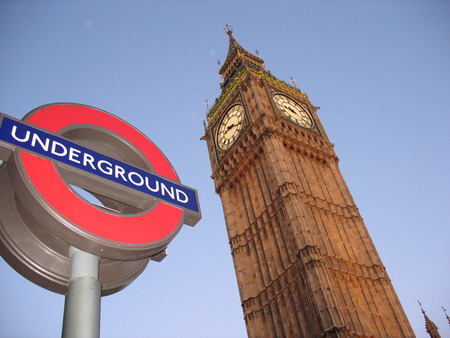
(69, 129)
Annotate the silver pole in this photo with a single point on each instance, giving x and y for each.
(82, 303)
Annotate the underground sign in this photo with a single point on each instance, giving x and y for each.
(55, 152)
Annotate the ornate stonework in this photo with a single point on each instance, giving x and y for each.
(304, 261)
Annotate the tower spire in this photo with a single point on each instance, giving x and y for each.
(430, 327)
(237, 59)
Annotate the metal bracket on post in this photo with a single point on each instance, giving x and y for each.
(82, 303)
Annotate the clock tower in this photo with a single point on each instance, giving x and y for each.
(304, 261)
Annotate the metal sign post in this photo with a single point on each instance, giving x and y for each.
(82, 303)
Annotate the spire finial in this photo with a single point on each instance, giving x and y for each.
(446, 315)
(228, 29)
(420, 304)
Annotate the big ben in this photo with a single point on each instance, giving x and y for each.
(304, 261)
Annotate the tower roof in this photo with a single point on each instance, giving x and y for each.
(237, 59)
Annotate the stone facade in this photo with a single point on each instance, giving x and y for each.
(304, 261)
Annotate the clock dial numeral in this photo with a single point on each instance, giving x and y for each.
(230, 127)
(293, 111)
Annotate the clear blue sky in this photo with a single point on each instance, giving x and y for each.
(379, 70)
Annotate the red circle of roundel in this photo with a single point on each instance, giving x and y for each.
(147, 227)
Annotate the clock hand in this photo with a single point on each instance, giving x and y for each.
(292, 110)
(232, 126)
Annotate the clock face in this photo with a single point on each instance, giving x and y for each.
(230, 127)
(293, 111)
